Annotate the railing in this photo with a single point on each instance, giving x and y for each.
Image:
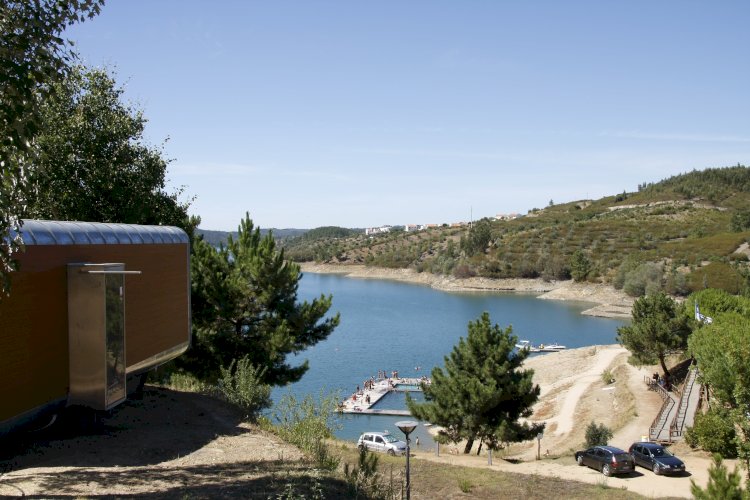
(675, 430)
(654, 386)
(660, 420)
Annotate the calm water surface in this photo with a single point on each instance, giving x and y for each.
(387, 325)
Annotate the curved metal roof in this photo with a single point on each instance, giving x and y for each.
(48, 232)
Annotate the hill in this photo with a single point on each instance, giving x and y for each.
(681, 234)
(217, 237)
(318, 244)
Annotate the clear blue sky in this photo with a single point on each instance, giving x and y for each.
(313, 113)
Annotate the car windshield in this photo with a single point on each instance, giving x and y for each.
(660, 452)
(622, 456)
(389, 439)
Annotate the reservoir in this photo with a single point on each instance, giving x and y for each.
(394, 326)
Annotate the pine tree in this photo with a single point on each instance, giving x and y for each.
(722, 484)
(658, 328)
(482, 392)
(244, 303)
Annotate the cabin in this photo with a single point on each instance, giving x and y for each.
(92, 308)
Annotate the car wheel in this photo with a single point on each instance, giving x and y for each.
(606, 470)
(656, 469)
(392, 453)
(580, 460)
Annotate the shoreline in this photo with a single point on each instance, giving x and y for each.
(609, 303)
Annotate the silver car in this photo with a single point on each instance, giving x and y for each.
(382, 442)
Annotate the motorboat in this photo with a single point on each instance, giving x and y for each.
(525, 344)
(554, 347)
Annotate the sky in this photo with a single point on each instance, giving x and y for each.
(357, 114)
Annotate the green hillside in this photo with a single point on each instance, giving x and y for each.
(319, 244)
(220, 237)
(680, 234)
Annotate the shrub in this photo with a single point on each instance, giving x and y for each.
(307, 424)
(465, 485)
(365, 481)
(597, 434)
(580, 266)
(463, 271)
(644, 278)
(716, 275)
(185, 382)
(241, 385)
(713, 431)
(676, 284)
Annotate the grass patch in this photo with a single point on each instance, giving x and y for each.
(438, 480)
(465, 485)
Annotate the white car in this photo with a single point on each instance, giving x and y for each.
(382, 442)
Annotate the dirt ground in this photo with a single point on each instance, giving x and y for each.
(169, 444)
(174, 445)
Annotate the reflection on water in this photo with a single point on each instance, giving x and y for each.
(390, 326)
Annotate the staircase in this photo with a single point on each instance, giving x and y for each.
(660, 427)
(687, 405)
(675, 414)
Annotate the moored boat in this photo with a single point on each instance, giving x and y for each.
(554, 347)
(525, 344)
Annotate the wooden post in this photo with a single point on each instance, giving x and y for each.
(539, 445)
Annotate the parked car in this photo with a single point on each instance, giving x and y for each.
(607, 459)
(382, 442)
(655, 457)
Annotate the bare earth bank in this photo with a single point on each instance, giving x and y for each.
(609, 303)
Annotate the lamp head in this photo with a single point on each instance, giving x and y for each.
(407, 426)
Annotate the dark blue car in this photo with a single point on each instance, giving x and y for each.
(657, 458)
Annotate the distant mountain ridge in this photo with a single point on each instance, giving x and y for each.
(216, 237)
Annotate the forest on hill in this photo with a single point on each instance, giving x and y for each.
(682, 234)
(215, 238)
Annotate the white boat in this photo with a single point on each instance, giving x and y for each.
(551, 347)
(525, 344)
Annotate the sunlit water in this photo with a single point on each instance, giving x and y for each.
(387, 325)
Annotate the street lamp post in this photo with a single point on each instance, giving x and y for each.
(407, 427)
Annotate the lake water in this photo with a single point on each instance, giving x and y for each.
(388, 325)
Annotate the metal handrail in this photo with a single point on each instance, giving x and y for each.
(675, 428)
(666, 406)
(656, 387)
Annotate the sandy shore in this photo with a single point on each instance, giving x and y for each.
(608, 302)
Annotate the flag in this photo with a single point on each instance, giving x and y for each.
(700, 317)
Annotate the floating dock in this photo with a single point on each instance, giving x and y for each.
(363, 400)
